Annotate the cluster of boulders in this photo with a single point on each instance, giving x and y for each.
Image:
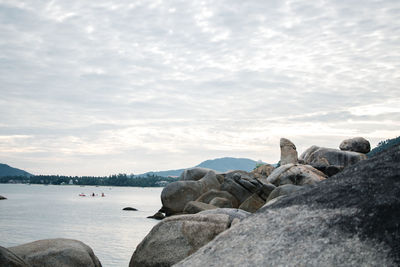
(197, 205)
(200, 189)
(49, 253)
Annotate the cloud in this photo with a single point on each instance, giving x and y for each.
(153, 85)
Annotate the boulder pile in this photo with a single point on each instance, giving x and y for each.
(197, 206)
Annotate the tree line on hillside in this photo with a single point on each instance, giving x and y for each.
(383, 145)
(112, 180)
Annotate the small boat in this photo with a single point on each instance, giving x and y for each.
(82, 195)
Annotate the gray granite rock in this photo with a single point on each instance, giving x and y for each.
(9, 259)
(288, 152)
(296, 174)
(350, 219)
(356, 144)
(57, 253)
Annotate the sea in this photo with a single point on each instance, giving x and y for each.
(35, 212)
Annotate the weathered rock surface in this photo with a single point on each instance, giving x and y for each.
(240, 184)
(263, 172)
(221, 202)
(56, 253)
(210, 195)
(176, 195)
(357, 144)
(193, 207)
(350, 219)
(283, 190)
(253, 203)
(1, 198)
(295, 174)
(194, 174)
(9, 259)
(129, 208)
(328, 156)
(288, 152)
(176, 237)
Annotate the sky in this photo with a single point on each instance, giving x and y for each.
(103, 87)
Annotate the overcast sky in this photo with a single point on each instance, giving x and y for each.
(100, 87)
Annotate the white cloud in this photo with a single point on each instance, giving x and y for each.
(133, 87)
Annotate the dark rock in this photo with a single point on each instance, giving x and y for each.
(357, 144)
(265, 190)
(328, 170)
(9, 259)
(129, 208)
(56, 253)
(158, 216)
(194, 174)
(2, 198)
(193, 207)
(350, 219)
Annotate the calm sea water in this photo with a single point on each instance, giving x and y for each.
(34, 212)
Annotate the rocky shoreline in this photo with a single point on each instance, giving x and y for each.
(326, 207)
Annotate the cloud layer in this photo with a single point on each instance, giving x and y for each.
(100, 87)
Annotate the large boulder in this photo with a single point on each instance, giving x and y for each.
(57, 252)
(283, 190)
(316, 155)
(176, 237)
(193, 207)
(296, 174)
(350, 219)
(357, 144)
(176, 195)
(240, 184)
(288, 152)
(210, 195)
(9, 259)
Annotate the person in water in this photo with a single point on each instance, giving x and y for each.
(92, 194)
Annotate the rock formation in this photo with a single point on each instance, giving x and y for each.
(357, 144)
(56, 252)
(176, 237)
(9, 259)
(350, 219)
(288, 152)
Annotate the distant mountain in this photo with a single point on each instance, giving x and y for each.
(220, 165)
(6, 170)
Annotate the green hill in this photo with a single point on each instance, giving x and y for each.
(6, 170)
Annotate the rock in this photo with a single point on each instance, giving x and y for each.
(193, 207)
(2, 198)
(210, 195)
(129, 208)
(232, 213)
(295, 174)
(9, 259)
(263, 172)
(176, 195)
(328, 170)
(252, 204)
(357, 144)
(194, 174)
(266, 190)
(176, 237)
(56, 252)
(283, 190)
(238, 184)
(350, 219)
(288, 152)
(221, 202)
(158, 216)
(328, 156)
